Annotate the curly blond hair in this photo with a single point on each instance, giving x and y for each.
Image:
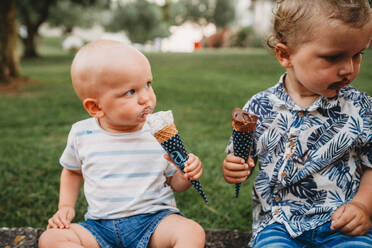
(294, 19)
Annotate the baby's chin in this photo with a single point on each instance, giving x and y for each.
(141, 119)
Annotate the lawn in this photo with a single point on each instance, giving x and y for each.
(200, 88)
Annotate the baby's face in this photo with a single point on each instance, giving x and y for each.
(331, 60)
(126, 96)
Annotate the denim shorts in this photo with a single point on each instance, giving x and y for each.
(129, 232)
(275, 235)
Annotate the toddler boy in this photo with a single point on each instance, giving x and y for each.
(313, 138)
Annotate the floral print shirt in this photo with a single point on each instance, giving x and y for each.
(310, 160)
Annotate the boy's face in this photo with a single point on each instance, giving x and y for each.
(330, 61)
(126, 96)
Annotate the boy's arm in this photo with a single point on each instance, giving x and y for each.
(354, 218)
(70, 183)
(193, 170)
(363, 196)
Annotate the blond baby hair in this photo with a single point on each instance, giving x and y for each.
(294, 19)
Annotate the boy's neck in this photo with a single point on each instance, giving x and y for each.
(298, 94)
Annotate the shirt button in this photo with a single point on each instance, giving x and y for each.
(277, 199)
(300, 114)
(276, 211)
(284, 175)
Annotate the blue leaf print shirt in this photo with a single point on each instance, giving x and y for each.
(310, 160)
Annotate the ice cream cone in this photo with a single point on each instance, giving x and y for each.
(166, 133)
(243, 124)
(171, 142)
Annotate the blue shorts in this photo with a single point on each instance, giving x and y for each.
(132, 232)
(275, 235)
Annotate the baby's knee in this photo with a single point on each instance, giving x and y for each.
(193, 233)
(199, 230)
(48, 238)
(178, 231)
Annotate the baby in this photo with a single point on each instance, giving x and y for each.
(128, 182)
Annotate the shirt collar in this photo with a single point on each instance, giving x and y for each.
(283, 99)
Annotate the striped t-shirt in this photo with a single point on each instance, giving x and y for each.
(124, 173)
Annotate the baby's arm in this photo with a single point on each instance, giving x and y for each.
(193, 170)
(235, 169)
(354, 218)
(68, 194)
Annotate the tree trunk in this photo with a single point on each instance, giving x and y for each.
(32, 14)
(29, 44)
(9, 64)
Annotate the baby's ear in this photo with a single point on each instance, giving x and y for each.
(92, 107)
(283, 55)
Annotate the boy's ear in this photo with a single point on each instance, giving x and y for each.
(92, 107)
(283, 55)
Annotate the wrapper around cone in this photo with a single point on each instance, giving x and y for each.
(243, 124)
(163, 128)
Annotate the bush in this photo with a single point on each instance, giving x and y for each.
(245, 37)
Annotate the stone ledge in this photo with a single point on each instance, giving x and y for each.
(26, 237)
(22, 237)
(226, 238)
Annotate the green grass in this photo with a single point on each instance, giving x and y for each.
(201, 88)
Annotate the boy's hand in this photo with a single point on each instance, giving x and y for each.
(235, 170)
(193, 167)
(62, 218)
(351, 219)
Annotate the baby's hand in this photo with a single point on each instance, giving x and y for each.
(62, 218)
(193, 167)
(351, 219)
(235, 170)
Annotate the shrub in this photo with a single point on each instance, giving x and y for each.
(245, 37)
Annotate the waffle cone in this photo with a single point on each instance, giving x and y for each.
(166, 133)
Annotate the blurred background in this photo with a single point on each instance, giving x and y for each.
(207, 57)
(150, 25)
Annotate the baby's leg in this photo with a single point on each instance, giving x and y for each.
(75, 236)
(176, 231)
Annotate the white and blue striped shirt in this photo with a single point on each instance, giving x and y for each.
(124, 174)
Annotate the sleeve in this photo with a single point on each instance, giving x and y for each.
(229, 147)
(366, 150)
(70, 158)
(248, 107)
